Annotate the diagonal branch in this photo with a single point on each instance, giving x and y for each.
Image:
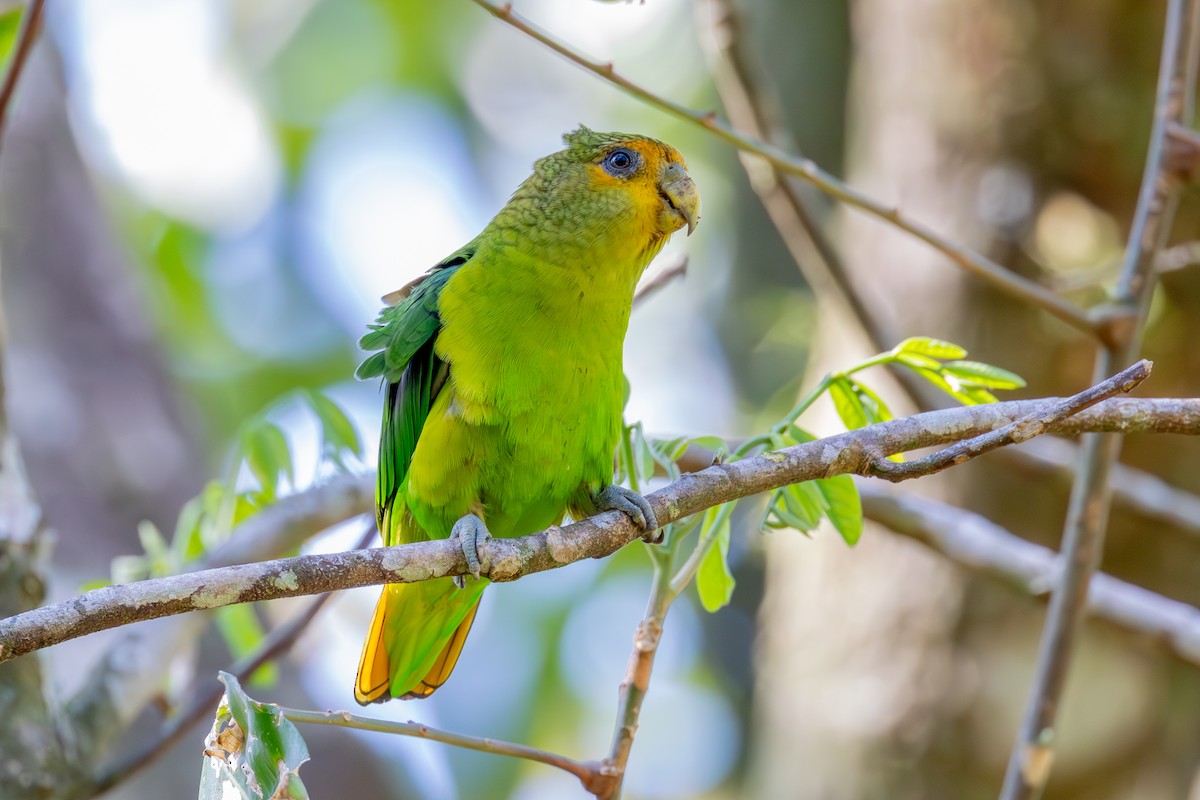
(976, 263)
(590, 773)
(655, 284)
(596, 537)
(1015, 432)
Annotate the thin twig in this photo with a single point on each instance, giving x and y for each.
(1021, 430)
(129, 674)
(588, 772)
(637, 681)
(278, 642)
(973, 262)
(677, 270)
(975, 542)
(31, 25)
(507, 559)
(1087, 514)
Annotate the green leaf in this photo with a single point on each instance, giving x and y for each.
(10, 24)
(981, 374)
(714, 443)
(88, 586)
(798, 435)
(799, 506)
(243, 633)
(338, 434)
(153, 543)
(926, 346)
(266, 451)
(188, 539)
(849, 407)
(803, 500)
(714, 581)
(916, 361)
(876, 410)
(668, 451)
(843, 506)
(253, 752)
(127, 569)
(978, 395)
(947, 383)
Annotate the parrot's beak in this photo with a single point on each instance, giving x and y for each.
(680, 194)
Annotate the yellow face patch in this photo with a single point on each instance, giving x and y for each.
(642, 185)
(653, 157)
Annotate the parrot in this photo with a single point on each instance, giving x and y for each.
(502, 370)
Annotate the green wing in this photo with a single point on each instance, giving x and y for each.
(405, 335)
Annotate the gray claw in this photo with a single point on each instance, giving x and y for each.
(638, 508)
(470, 531)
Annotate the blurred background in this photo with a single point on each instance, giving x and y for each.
(202, 201)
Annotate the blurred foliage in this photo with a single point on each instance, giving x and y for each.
(10, 24)
(262, 461)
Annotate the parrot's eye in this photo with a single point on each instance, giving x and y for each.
(620, 162)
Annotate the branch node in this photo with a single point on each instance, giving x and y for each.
(646, 638)
(1038, 759)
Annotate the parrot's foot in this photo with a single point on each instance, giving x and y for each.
(638, 508)
(470, 531)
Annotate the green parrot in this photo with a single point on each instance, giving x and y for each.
(502, 366)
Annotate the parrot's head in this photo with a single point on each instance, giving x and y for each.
(647, 176)
(617, 190)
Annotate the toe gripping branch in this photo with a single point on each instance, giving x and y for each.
(618, 498)
(470, 531)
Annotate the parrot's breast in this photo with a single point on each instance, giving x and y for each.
(530, 417)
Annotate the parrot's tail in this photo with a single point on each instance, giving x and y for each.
(415, 638)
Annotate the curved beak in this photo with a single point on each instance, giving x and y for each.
(680, 194)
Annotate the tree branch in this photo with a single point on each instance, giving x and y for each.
(128, 675)
(1087, 514)
(588, 772)
(805, 169)
(1015, 432)
(204, 699)
(597, 537)
(973, 541)
(671, 273)
(1144, 493)
(636, 683)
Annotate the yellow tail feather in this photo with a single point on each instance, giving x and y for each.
(445, 660)
(374, 670)
(373, 683)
